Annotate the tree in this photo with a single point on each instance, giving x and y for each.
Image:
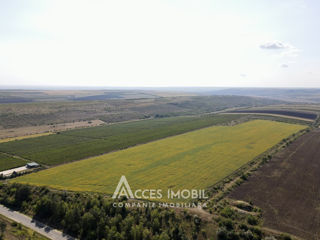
(22, 194)
(44, 208)
(164, 236)
(3, 227)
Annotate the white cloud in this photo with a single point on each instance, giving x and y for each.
(285, 49)
(276, 45)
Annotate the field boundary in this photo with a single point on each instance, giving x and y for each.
(230, 181)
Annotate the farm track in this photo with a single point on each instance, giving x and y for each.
(15, 156)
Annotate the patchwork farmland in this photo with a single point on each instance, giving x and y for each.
(210, 149)
(82, 143)
(195, 159)
(160, 120)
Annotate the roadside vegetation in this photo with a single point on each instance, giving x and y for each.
(93, 217)
(12, 230)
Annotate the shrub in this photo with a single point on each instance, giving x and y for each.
(243, 227)
(222, 234)
(227, 212)
(252, 220)
(244, 177)
(226, 223)
(285, 237)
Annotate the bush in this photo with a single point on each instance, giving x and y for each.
(227, 212)
(252, 220)
(285, 237)
(256, 232)
(233, 236)
(244, 177)
(244, 206)
(243, 227)
(247, 235)
(222, 234)
(227, 224)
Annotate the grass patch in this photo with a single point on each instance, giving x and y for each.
(16, 231)
(8, 162)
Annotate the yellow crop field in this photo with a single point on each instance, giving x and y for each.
(24, 137)
(194, 160)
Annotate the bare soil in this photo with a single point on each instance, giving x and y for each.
(297, 114)
(287, 189)
(275, 115)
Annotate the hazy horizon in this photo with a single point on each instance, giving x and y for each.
(135, 44)
(167, 88)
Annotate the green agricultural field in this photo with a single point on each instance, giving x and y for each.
(8, 162)
(82, 143)
(193, 160)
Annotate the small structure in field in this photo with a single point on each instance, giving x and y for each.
(13, 171)
(32, 165)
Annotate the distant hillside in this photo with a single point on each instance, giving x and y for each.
(116, 110)
(294, 95)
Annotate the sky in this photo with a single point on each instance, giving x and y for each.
(159, 43)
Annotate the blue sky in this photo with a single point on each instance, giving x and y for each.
(240, 43)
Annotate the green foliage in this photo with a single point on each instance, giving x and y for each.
(225, 234)
(226, 223)
(252, 220)
(222, 234)
(93, 217)
(244, 177)
(3, 227)
(227, 212)
(285, 237)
